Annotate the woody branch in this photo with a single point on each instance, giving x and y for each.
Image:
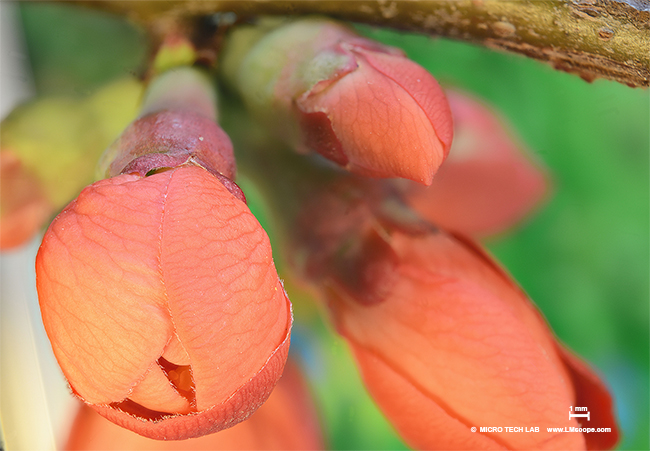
(591, 38)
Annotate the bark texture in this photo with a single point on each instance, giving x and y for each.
(591, 38)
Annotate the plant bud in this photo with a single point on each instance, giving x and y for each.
(445, 341)
(488, 183)
(359, 103)
(162, 303)
(157, 286)
(451, 345)
(288, 421)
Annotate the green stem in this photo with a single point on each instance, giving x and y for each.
(181, 89)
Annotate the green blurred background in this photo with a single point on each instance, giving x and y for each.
(584, 258)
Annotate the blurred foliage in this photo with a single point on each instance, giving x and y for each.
(74, 51)
(55, 136)
(584, 258)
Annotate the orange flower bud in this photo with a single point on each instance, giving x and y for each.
(157, 286)
(446, 343)
(488, 183)
(359, 103)
(25, 206)
(454, 345)
(449, 345)
(162, 303)
(287, 421)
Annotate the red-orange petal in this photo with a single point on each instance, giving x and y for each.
(464, 345)
(388, 117)
(488, 183)
(134, 264)
(420, 85)
(238, 407)
(99, 284)
(287, 421)
(592, 393)
(223, 290)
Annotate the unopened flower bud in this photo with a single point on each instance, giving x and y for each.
(287, 421)
(488, 183)
(157, 286)
(444, 340)
(359, 103)
(451, 344)
(23, 201)
(162, 303)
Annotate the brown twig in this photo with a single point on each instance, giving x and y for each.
(591, 38)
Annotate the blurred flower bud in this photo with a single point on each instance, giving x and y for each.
(453, 344)
(488, 183)
(287, 421)
(361, 104)
(445, 341)
(157, 286)
(49, 153)
(24, 204)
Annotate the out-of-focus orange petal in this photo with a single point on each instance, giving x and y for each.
(423, 420)
(134, 265)
(488, 183)
(592, 393)
(453, 331)
(287, 421)
(25, 206)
